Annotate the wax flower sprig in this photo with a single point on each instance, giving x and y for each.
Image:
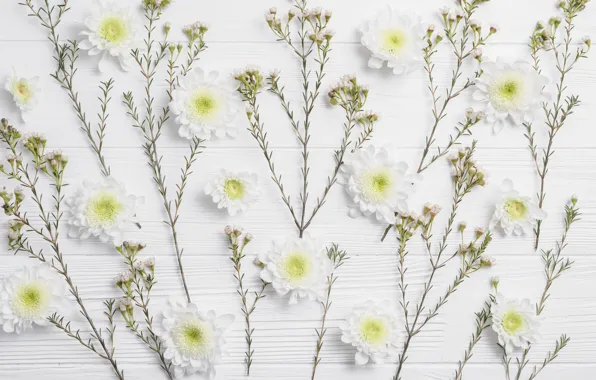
(151, 124)
(314, 37)
(136, 284)
(554, 266)
(466, 176)
(337, 257)
(238, 240)
(347, 94)
(27, 174)
(546, 38)
(66, 55)
(466, 37)
(517, 322)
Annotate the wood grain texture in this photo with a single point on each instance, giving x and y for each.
(284, 339)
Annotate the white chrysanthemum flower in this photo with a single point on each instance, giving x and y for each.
(192, 341)
(374, 330)
(112, 30)
(24, 92)
(377, 183)
(30, 296)
(514, 213)
(515, 322)
(297, 266)
(394, 37)
(513, 91)
(234, 191)
(101, 209)
(205, 105)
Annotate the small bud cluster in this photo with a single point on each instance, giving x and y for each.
(545, 33)
(473, 253)
(432, 38)
(157, 5)
(195, 31)
(473, 117)
(250, 81)
(11, 201)
(136, 282)
(466, 173)
(316, 19)
(409, 222)
(237, 237)
(460, 19)
(15, 236)
(348, 93)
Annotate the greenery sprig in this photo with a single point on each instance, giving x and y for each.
(238, 241)
(466, 177)
(545, 39)
(314, 36)
(27, 174)
(136, 284)
(66, 56)
(458, 28)
(338, 257)
(554, 266)
(152, 123)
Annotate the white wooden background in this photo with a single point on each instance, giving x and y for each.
(284, 340)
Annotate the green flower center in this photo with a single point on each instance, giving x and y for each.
(512, 322)
(506, 92)
(516, 209)
(393, 41)
(113, 29)
(103, 209)
(203, 105)
(373, 331)
(296, 266)
(509, 90)
(234, 189)
(377, 184)
(193, 338)
(31, 300)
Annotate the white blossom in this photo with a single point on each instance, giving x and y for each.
(298, 267)
(112, 29)
(100, 209)
(377, 183)
(511, 92)
(205, 105)
(373, 330)
(29, 296)
(515, 213)
(24, 92)
(515, 322)
(234, 191)
(192, 340)
(394, 37)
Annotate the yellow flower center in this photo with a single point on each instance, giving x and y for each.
(516, 209)
(23, 90)
(113, 29)
(373, 331)
(203, 105)
(234, 189)
(512, 322)
(193, 337)
(393, 41)
(377, 184)
(296, 266)
(31, 299)
(103, 209)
